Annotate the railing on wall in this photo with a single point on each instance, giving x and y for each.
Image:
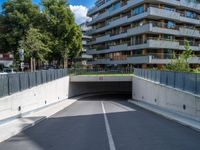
(16, 82)
(109, 71)
(181, 80)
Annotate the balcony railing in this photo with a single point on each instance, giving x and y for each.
(182, 13)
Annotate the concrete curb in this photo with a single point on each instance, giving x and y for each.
(169, 115)
(18, 125)
(15, 126)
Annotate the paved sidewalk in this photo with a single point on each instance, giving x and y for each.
(14, 127)
(170, 115)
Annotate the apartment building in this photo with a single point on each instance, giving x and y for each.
(143, 33)
(84, 57)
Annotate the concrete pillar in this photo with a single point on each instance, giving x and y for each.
(144, 37)
(144, 66)
(160, 53)
(144, 51)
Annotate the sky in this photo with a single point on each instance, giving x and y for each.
(78, 7)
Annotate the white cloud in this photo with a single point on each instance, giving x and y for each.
(80, 13)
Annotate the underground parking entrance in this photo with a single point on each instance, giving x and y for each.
(80, 85)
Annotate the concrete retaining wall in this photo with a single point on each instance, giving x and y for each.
(49, 93)
(101, 79)
(183, 103)
(34, 98)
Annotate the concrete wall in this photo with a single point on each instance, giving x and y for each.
(101, 79)
(34, 98)
(183, 103)
(43, 95)
(49, 93)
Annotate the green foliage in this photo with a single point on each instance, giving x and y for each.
(16, 19)
(197, 70)
(181, 64)
(50, 32)
(75, 43)
(35, 44)
(66, 35)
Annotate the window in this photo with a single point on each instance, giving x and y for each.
(190, 14)
(138, 10)
(110, 9)
(169, 8)
(170, 24)
(117, 5)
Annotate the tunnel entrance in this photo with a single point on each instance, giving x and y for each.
(114, 88)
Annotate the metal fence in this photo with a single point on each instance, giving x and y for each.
(12, 83)
(181, 80)
(121, 71)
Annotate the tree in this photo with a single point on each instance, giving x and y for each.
(65, 34)
(16, 19)
(54, 22)
(181, 64)
(35, 45)
(75, 42)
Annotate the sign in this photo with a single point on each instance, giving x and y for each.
(21, 54)
(22, 65)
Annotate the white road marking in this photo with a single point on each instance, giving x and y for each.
(109, 134)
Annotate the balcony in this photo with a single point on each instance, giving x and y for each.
(182, 3)
(118, 22)
(153, 43)
(162, 43)
(114, 48)
(106, 14)
(172, 15)
(151, 12)
(99, 61)
(154, 58)
(122, 34)
(195, 6)
(96, 9)
(191, 32)
(151, 27)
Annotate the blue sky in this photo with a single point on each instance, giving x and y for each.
(86, 3)
(79, 8)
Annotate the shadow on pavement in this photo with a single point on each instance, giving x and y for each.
(81, 126)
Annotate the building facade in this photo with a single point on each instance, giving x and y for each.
(143, 33)
(6, 60)
(84, 57)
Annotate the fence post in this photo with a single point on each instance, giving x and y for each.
(20, 84)
(183, 81)
(8, 84)
(174, 79)
(195, 83)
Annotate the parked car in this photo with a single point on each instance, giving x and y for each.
(8, 70)
(48, 67)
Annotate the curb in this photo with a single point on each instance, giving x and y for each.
(42, 118)
(193, 124)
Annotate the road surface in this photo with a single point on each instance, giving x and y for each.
(105, 123)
